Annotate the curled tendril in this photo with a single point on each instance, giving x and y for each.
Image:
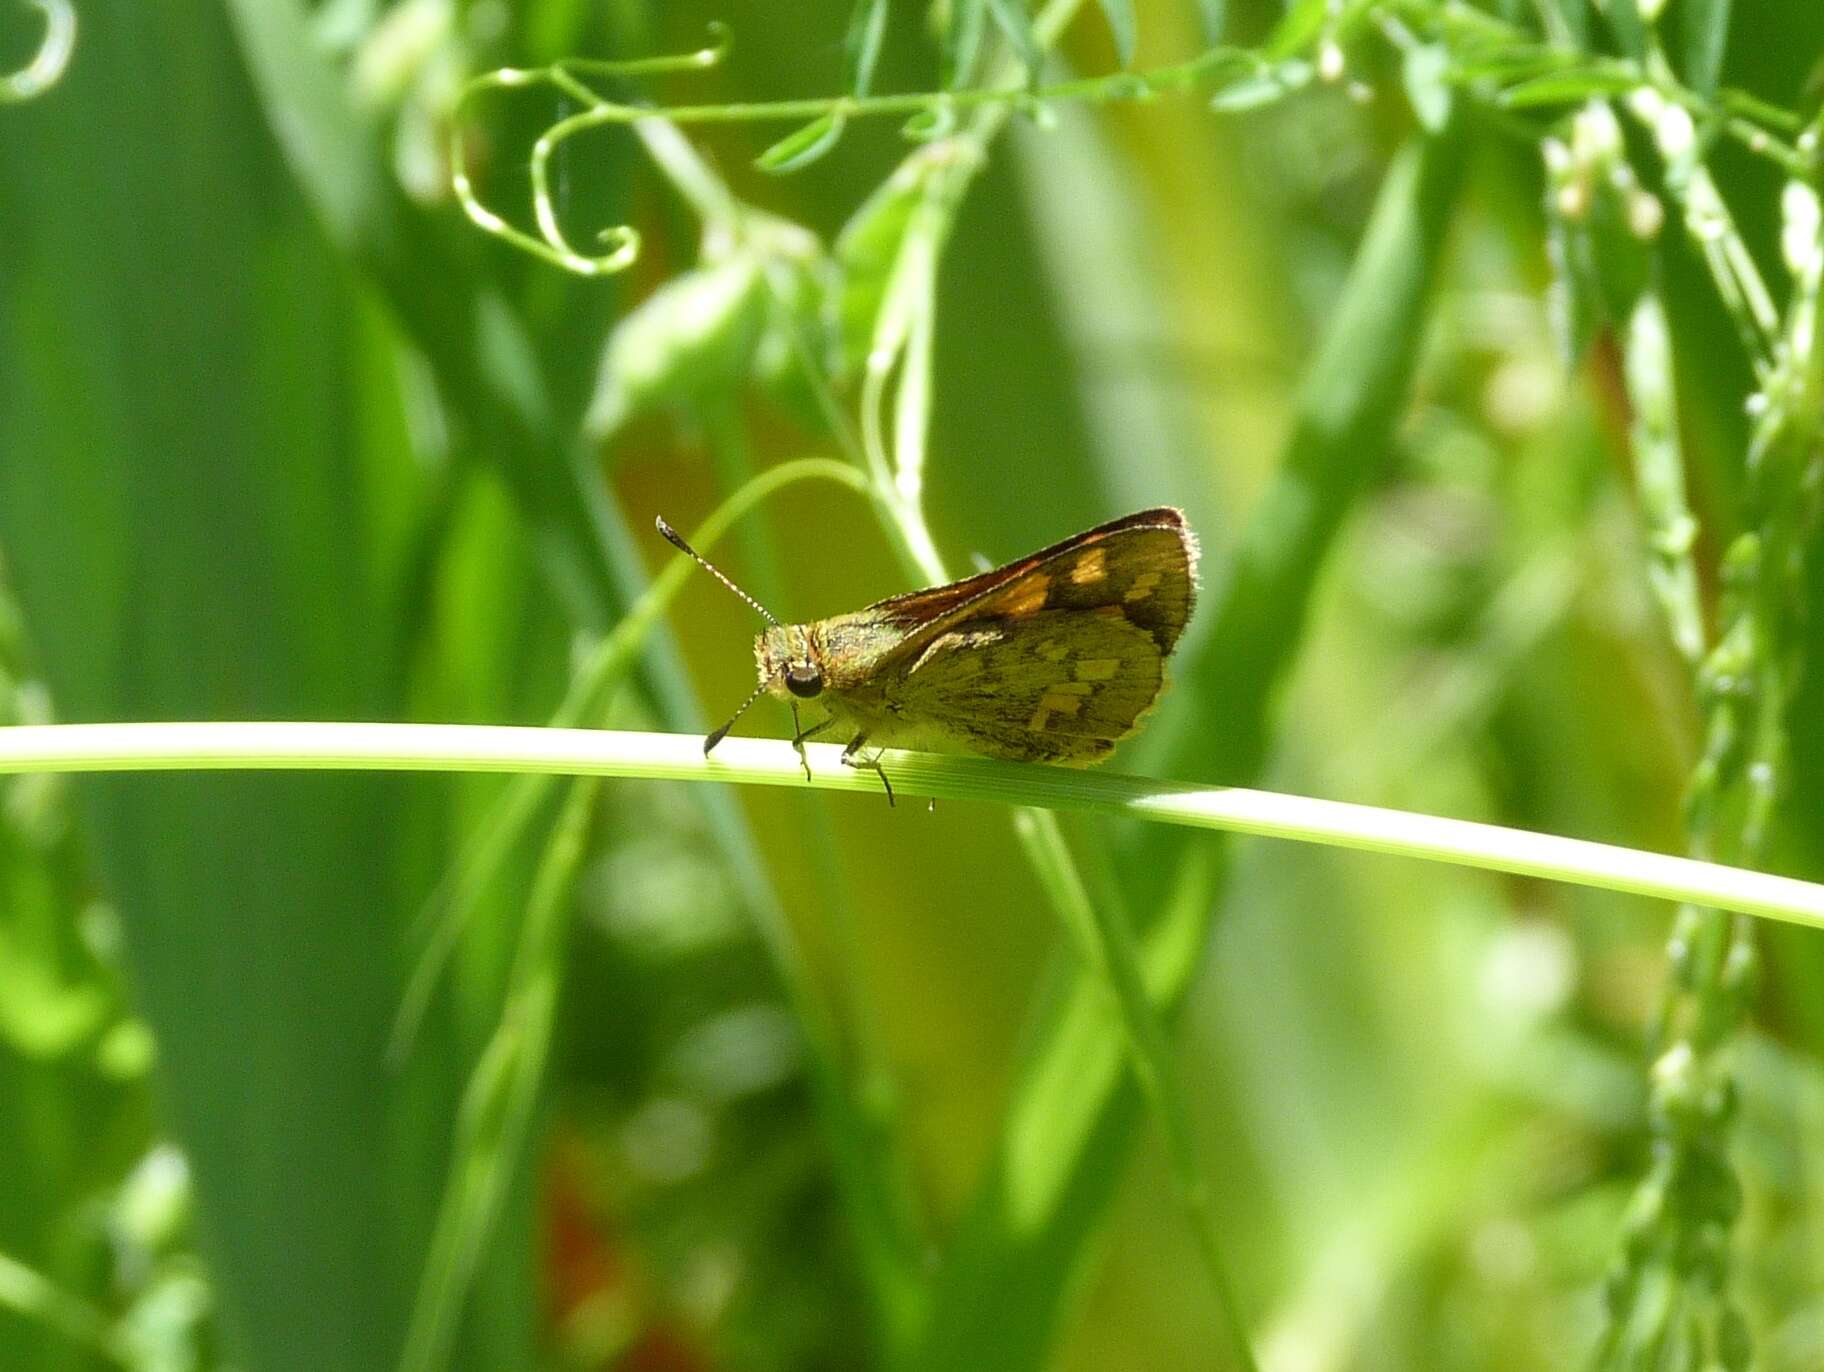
(721, 39)
(933, 118)
(53, 55)
(620, 242)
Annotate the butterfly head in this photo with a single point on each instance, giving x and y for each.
(788, 663)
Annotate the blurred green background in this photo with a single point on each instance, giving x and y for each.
(766, 1080)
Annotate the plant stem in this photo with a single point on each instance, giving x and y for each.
(240, 746)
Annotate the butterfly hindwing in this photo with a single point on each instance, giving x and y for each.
(1057, 685)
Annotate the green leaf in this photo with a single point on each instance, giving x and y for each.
(1298, 30)
(1629, 28)
(962, 42)
(692, 338)
(866, 251)
(930, 123)
(1262, 88)
(1426, 75)
(1511, 67)
(1011, 17)
(1704, 25)
(1215, 17)
(219, 529)
(803, 146)
(1070, 1124)
(867, 30)
(1575, 17)
(1567, 88)
(1120, 17)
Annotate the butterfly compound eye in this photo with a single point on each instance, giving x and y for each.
(803, 680)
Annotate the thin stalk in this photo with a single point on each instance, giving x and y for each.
(303, 746)
(902, 350)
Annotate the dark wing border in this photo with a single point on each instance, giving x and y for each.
(937, 604)
(927, 614)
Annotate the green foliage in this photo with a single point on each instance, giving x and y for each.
(1480, 342)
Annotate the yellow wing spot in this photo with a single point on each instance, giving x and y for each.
(1142, 587)
(1065, 699)
(1091, 567)
(1029, 599)
(1098, 668)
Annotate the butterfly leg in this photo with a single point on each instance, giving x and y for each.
(851, 757)
(800, 734)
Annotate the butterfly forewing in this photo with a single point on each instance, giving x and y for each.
(1152, 553)
(919, 612)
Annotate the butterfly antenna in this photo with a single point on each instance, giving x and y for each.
(722, 733)
(676, 539)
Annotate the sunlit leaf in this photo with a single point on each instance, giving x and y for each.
(1263, 88)
(1299, 29)
(803, 146)
(1573, 16)
(866, 252)
(1426, 73)
(692, 337)
(1567, 88)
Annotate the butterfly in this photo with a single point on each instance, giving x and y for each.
(1053, 658)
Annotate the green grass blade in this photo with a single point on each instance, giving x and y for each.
(1000, 1294)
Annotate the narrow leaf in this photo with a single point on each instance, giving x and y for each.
(1011, 18)
(963, 41)
(1705, 27)
(867, 30)
(1426, 73)
(1215, 16)
(1120, 17)
(1629, 28)
(803, 146)
(1574, 18)
(1262, 88)
(999, 1295)
(1507, 68)
(1298, 30)
(868, 252)
(691, 340)
(1568, 88)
